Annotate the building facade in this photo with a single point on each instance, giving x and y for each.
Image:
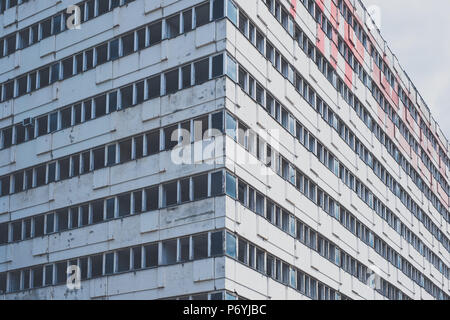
(214, 149)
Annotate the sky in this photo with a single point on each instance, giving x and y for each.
(417, 32)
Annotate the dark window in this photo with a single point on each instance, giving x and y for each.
(79, 63)
(124, 205)
(67, 67)
(42, 125)
(57, 24)
(100, 106)
(128, 44)
(75, 165)
(218, 9)
(85, 158)
(200, 246)
(97, 211)
(154, 87)
(102, 53)
(20, 133)
(40, 176)
(46, 28)
(184, 190)
(170, 193)
(151, 255)
(61, 272)
(32, 81)
(186, 76)
(16, 228)
(202, 14)
(66, 117)
(139, 147)
(64, 168)
(200, 184)
(187, 21)
(172, 81)
(7, 137)
(18, 184)
(3, 233)
(50, 223)
(44, 77)
(201, 71)
(123, 260)
(53, 121)
(11, 44)
(170, 137)
(139, 92)
(99, 158)
(112, 104)
(89, 59)
(103, 6)
(96, 265)
(173, 26)
(137, 258)
(126, 97)
(38, 277)
(153, 142)
(216, 183)
(155, 32)
(152, 197)
(63, 220)
(141, 39)
(39, 226)
(51, 172)
(125, 150)
(137, 199)
(217, 65)
(22, 83)
(24, 38)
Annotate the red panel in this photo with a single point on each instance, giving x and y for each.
(360, 51)
(320, 4)
(320, 40)
(334, 55)
(293, 7)
(376, 73)
(381, 115)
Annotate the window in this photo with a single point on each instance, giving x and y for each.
(97, 211)
(154, 87)
(202, 15)
(99, 158)
(170, 193)
(170, 137)
(231, 185)
(44, 77)
(231, 68)
(153, 142)
(155, 32)
(123, 260)
(216, 183)
(110, 208)
(242, 251)
(200, 246)
(100, 106)
(102, 53)
(151, 255)
(187, 21)
(217, 65)
(173, 26)
(64, 168)
(125, 150)
(96, 265)
(66, 117)
(124, 205)
(62, 220)
(232, 11)
(46, 28)
(186, 76)
(169, 251)
(171, 81)
(184, 192)
(112, 103)
(89, 59)
(114, 49)
(152, 196)
(137, 258)
(126, 95)
(200, 184)
(127, 44)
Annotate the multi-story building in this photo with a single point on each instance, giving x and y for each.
(214, 149)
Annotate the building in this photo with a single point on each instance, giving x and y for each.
(223, 149)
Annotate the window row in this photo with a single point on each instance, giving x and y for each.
(190, 74)
(90, 58)
(296, 228)
(290, 173)
(167, 252)
(316, 102)
(56, 24)
(7, 4)
(113, 153)
(264, 262)
(277, 111)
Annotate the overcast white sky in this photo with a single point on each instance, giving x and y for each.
(417, 31)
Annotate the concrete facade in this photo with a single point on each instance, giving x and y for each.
(246, 149)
